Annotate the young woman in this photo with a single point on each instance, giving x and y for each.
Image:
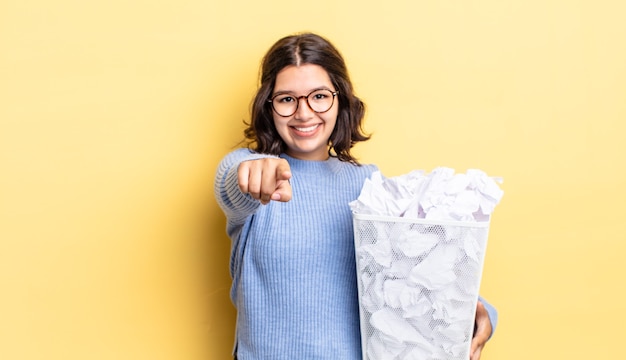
(286, 200)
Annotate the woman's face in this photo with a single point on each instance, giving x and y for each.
(306, 132)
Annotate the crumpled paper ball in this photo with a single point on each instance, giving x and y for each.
(439, 195)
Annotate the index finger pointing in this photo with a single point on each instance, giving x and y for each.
(283, 171)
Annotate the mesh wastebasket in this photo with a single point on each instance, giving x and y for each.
(418, 283)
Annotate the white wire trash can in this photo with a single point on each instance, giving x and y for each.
(418, 283)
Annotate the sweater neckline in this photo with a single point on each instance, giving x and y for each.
(331, 163)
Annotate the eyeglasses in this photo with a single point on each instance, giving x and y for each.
(320, 101)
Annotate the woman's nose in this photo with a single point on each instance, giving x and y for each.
(303, 111)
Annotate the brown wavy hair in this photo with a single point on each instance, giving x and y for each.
(306, 48)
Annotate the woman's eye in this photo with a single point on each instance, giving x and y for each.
(285, 99)
(319, 96)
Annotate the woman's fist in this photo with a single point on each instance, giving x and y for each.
(265, 179)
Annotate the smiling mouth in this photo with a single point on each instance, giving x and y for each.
(307, 129)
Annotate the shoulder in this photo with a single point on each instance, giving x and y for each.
(370, 168)
(242, 154)
(367, 169)
(360, 170)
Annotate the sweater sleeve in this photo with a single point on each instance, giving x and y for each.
(236, 205)
(493, 314)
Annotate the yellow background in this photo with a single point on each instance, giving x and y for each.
(114, 115)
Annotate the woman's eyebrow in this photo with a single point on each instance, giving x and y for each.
(279, 92)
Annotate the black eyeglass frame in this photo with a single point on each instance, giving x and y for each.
(333, 93)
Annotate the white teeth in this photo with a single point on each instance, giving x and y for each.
(307, 129)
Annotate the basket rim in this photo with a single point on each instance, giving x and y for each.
(475, 224)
